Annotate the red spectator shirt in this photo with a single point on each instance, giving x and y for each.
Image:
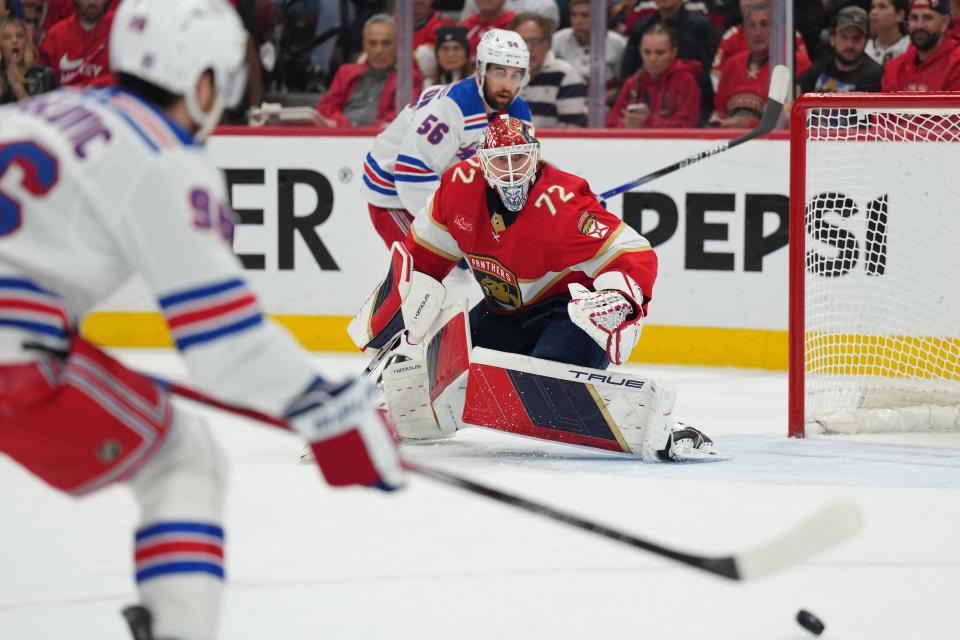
(673, 97)
(939, 72)
(476, 28)
(735, 40)
(743, 86)
(427, 34)
(58, 10)
(79, 57)
(334, 101)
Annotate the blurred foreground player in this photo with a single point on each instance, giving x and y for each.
(563, 280)
(96, 186)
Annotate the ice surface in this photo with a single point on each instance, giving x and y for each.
(432, 562)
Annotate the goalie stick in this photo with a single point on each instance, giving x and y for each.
(826, 528)
(776, 95)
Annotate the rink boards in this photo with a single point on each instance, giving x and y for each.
(305, 239)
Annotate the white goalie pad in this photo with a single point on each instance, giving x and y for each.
(567, 403)
(425, 396)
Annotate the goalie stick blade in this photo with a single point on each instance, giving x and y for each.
(825, 529)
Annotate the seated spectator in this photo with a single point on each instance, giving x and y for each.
(665, 92)
(453, 56)
(58, 10)
(888, 35)
(849, 68)
(745, 79)
(696, 40)
(22, 77)
(364, 94)
(77, 48)
(491, 15)
(734, 41)
(643, 8)
(556, 93)
(426, 21)
(573, 45)
(546, 8)
(932, 61)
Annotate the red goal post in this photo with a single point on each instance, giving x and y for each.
(874, 338)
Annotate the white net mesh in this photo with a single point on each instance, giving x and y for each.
(882, 283)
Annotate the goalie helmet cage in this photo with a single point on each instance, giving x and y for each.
(874, 339)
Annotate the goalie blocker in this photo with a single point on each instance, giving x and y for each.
(406, 300)
(456, 386)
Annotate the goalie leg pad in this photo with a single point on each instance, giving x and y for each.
(571, 404)
(406, 388)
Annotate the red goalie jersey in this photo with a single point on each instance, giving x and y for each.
(562, 235)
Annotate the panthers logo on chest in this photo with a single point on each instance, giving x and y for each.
(500, 286)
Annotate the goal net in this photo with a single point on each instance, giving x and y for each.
(874, 266)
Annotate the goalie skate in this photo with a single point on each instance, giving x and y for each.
(688, 444)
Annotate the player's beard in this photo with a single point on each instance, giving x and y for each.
(499, 102)
(924, 40)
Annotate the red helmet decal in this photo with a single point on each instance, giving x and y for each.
(506, 131)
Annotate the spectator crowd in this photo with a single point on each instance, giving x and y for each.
(668, 63)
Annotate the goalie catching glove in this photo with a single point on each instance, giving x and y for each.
(350, 441)
(611, 314)
(405, 300)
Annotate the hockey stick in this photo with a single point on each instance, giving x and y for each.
(776, 95)
(826, 528)
(189, 393)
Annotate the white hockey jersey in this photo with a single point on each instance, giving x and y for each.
(442, 128)
(98, 185)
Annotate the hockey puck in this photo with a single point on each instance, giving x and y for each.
(810, 622)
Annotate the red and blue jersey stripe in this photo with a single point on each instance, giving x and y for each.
(377, 178)
(410, 169)
(25, 305)
(478, 121)
(178, 548)
(208, 313)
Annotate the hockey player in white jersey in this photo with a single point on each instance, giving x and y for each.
(441, 128)
(94, 187)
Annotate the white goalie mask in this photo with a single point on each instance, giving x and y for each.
(509, 156)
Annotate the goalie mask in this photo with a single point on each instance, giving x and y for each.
(509, 156)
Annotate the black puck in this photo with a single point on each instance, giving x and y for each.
(810, 622)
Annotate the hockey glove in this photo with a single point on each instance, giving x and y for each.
(349, 439)
(611, 315)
